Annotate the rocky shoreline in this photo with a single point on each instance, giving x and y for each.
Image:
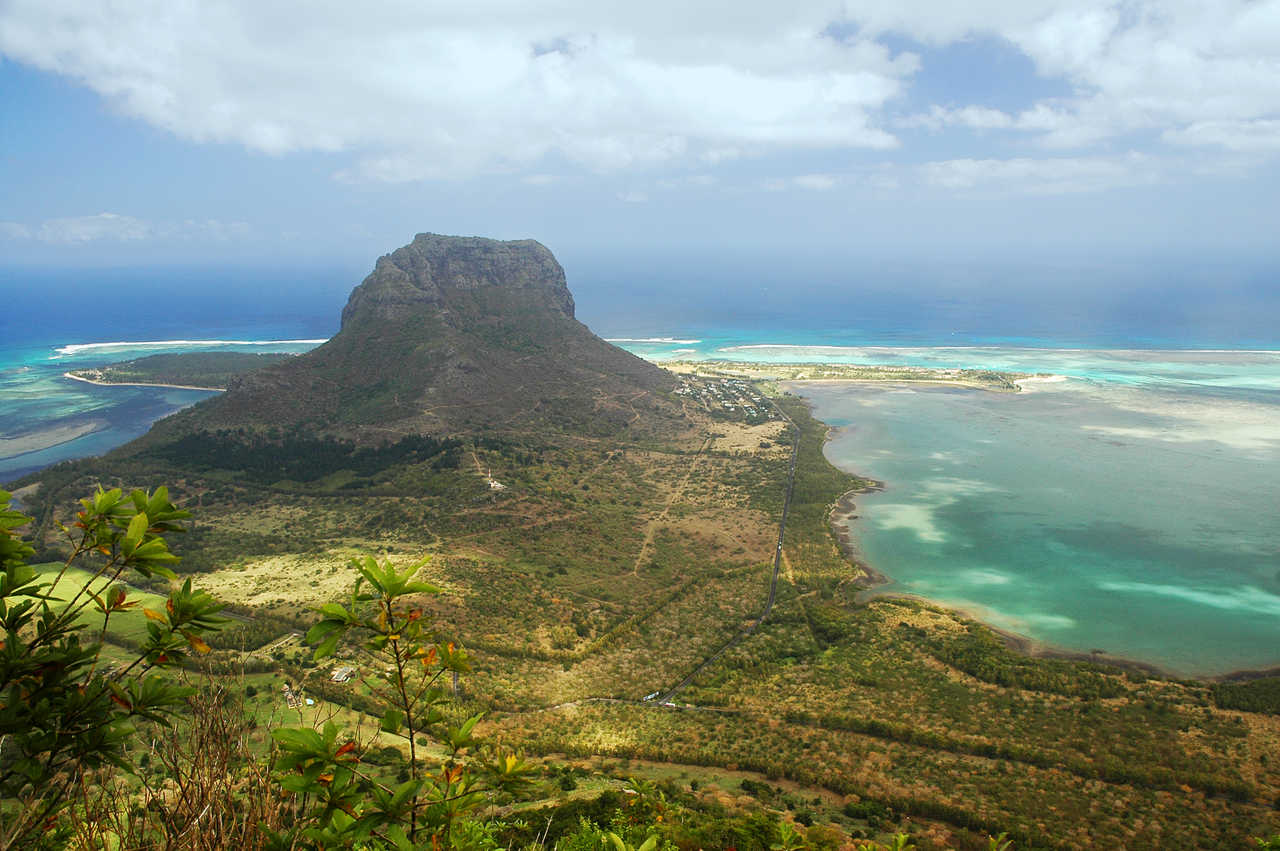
(844, 510)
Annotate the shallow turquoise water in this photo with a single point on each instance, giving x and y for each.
(39, 406)
(1134, 516)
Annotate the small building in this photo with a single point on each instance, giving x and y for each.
(342, 674)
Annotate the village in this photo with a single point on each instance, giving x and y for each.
(732, 397)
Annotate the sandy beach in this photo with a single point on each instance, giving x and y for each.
(75, 377)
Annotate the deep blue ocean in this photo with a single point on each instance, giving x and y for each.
(1130, 506)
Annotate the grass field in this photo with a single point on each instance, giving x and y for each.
(128, 627)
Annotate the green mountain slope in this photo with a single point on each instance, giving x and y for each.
(450, 334)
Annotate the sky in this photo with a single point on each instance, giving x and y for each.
(747, 133)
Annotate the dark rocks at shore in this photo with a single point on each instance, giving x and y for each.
(841, 513)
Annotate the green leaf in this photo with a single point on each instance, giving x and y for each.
(326, 648)
(298, 740)
(405, 791)
(320, 630)
(335, 611)
(392, 720)
(137, 528)
(399, 839)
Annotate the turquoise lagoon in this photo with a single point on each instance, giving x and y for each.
(1131, 506)
(46, 417)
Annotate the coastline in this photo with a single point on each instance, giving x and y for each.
(844, 510)
(1036, 649)
(75, 377)
(911, 382)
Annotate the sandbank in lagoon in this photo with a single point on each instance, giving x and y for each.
(45, 438)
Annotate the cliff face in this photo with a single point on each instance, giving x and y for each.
(434, 271)
(446, 335)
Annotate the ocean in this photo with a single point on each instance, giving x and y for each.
(1129, 505)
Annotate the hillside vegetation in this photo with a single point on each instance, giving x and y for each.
(213, 370)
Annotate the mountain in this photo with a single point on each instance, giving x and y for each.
(448, 335)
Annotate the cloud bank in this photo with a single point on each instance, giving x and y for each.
(418, 91)
(114, 227)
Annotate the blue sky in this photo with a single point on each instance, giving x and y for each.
(155, 132)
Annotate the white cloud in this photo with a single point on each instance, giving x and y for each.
(428, 91)
(14, 230)
(687, 180)
(114, 227)
(1164, 66)
(977, 117)
(1051, 176)
(1244, 136)
(207, 230)
(1205, 74)
(807, 182)
(104, 226)
(816, 182)
(424, 91)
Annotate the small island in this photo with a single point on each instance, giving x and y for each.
(186, 370)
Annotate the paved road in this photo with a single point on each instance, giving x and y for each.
(670, 694)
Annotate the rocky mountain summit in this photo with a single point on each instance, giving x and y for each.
(438, 270)
(450, 335)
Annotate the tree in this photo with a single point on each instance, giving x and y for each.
(789, 839)
(62, 715)
(346, 804)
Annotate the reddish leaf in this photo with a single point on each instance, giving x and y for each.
(196, 642)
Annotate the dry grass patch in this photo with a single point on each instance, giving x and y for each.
(302, 580)
(740, 437)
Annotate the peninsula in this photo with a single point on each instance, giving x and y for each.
(983, 379)
(185, 371)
